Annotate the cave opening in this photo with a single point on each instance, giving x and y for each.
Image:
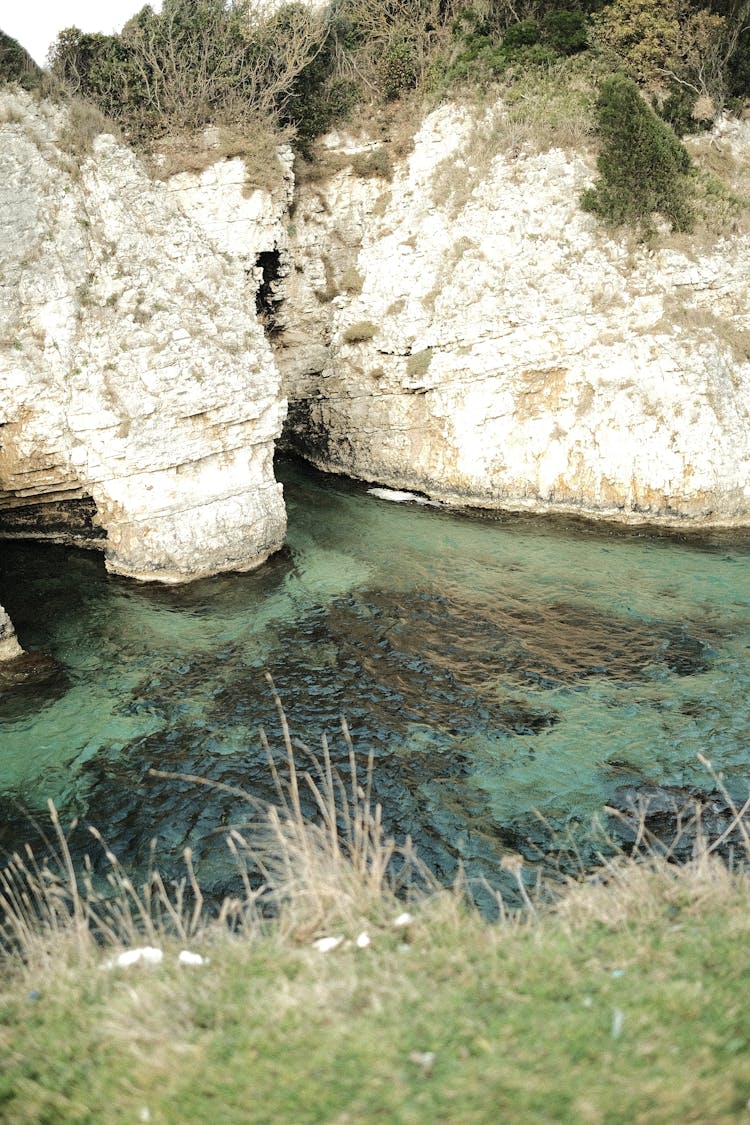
(70, 520)
(269, 297)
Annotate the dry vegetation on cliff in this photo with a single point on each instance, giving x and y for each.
(295, 70)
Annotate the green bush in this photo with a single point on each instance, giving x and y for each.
(522, 34)
(642, 164)
(17, 65)
(103, 70)
(320, 94)
(565, 32)
(476, 59)
(398, 70)
(677, 110)
(738, 67)
(484, 48)
(194, 63)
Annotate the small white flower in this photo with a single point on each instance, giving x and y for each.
(148, 953)
(326, 944)
(618, 1020)
(403, 919)
(363, 940)
(185, 957)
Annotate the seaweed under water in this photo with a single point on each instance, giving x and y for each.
(509, 676)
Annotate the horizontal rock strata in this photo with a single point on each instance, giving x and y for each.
(139, 399)
(468, 332)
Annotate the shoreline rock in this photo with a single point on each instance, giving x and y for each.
(10, 649)
(467, 332)
(138, 392)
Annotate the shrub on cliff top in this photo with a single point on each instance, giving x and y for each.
(643, 166)
(17, 65)
(699, 44)
(194, 63)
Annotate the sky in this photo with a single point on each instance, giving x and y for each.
(35, 23)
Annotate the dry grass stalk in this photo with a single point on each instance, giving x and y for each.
(258, 145)
(649, 880)
(342, 870)
(46, 904)
(339, 870)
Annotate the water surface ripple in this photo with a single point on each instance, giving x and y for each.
(509, 675)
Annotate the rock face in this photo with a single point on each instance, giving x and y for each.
(9, 646)
(468, 332)
(464, 331)
(139, 399)
(250, 226)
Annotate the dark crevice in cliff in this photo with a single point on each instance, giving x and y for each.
(71, 521)
(270, 297)
(304, 435)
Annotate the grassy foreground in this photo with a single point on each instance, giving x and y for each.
(628, 1002)
(624, 1000)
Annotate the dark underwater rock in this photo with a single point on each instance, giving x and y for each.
(29, 669)
(30, 682)
(546, 645)
(674, 821)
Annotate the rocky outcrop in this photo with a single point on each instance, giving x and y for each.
(464, 331)
(139, 399)
(9, 646)
(468, 332)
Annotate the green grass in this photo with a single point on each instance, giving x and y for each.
(621, 999)
(627, 1003)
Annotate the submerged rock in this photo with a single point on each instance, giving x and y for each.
(675, 821)
(430, 637)
(139, 400)
(28, 682)
(29, 668)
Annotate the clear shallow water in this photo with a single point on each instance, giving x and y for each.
(497, 668)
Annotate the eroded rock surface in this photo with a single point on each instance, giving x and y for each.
(137, 390)
(10, 649)
(468, 332)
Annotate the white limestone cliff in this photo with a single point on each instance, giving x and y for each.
(464, 331)
(137, 389)
(9, 646)
(468, 332)
(242, 223)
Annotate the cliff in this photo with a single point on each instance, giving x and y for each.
(463, 330)
(139, 398)
(468, 332)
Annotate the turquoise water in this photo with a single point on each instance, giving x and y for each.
(501, 670)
